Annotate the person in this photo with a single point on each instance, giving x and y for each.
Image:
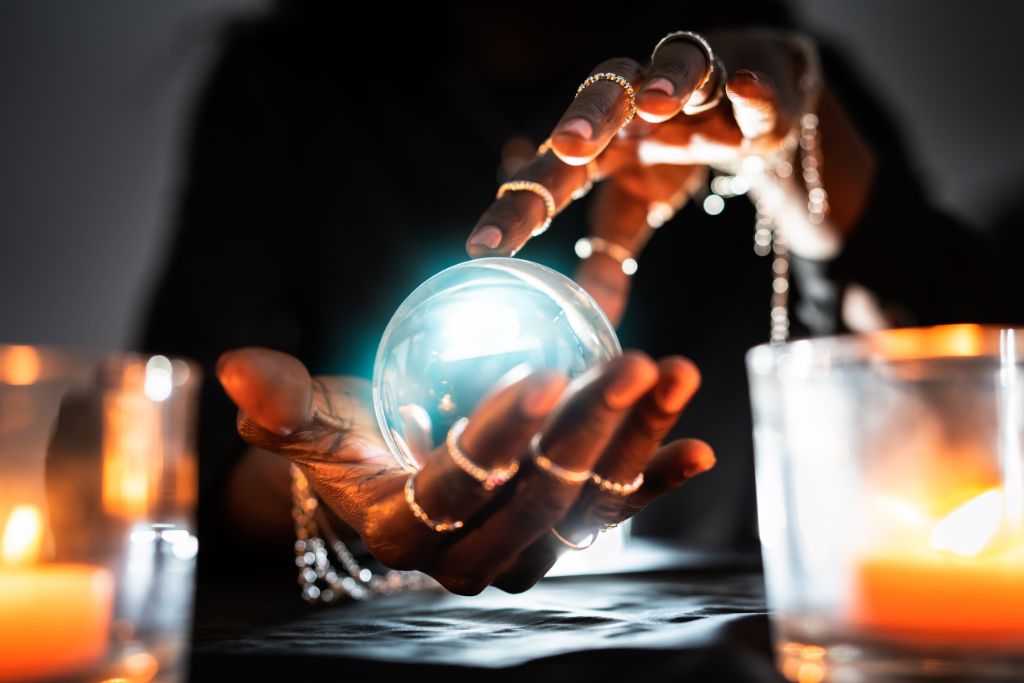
(292, 189)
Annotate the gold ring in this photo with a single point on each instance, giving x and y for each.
(489, 479)
(544, 463)
(588, 246)
(614, 78)
(544, 193)
(417, 511)
(589, 541)
(616, 487)
(592, 173)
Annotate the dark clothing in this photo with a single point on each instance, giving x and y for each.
(335, 167)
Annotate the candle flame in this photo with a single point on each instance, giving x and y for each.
(23, 536)
(968, 529)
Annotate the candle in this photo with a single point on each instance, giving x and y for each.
(957, 580)
(54, 618)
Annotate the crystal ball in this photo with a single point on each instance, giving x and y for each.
(470, 328)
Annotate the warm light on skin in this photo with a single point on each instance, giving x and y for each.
(19, 365)
(971, 527)
(23, 536)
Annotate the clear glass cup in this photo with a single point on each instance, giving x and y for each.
(97, 500)
(890, 487)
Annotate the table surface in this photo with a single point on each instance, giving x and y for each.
(682, 617)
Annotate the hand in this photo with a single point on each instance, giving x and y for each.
(611, 420)
(651, 166)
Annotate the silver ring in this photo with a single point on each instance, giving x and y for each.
(697, 39)
(711, 88)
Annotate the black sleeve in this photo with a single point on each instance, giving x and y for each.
(922, 265)
(226, 283)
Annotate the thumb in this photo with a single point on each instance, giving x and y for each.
(271, 388)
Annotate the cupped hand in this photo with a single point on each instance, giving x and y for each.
(652, 164)
(611, 420)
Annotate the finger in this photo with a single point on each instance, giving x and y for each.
(510, 221)
(754, 103)
(672, 465)
(622, 213)
(497, 433)
(574, 441)
(678, 68)
(284, 410)
(627, 455)
(642, 432)
(271, 387)
(596, 114)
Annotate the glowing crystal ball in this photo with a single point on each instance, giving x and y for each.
(469, 328)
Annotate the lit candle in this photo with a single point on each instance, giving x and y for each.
(959, 579)
(54, 618)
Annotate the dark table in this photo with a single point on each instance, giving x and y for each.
(679, 617)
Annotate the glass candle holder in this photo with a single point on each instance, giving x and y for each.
(97, 499)
(890, 487)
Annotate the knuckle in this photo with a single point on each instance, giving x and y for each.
(506, 212)
(623, 66)
(538, 505)
(674, 70)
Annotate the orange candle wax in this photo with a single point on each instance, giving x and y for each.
(933, 597)
(959, 580)
(54, 619)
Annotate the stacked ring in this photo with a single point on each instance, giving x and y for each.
(550, 207)
(616, 487)
(434, 525)
(614, 78)
(489, 479)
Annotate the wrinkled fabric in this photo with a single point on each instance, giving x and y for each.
(700, 620)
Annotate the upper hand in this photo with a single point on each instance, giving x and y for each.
(652, 165)
(611, 420)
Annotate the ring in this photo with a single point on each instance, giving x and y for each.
(709, 94)
(592, 173)
(575, 546)
(711, 88)
(543, 462)
(489, 479)
(588, 246)
(614, 78)
(616, 487)
(417, 511)
(544, 193)
(591, 168)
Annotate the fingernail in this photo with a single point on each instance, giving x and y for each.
(488, 236)
(662, 85)
(748, 74)
(540, 399)
(222, 362)
(577, 126)
(626, 388)
(701, 465)
(672, 395)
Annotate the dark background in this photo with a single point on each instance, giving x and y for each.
(96, 98)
